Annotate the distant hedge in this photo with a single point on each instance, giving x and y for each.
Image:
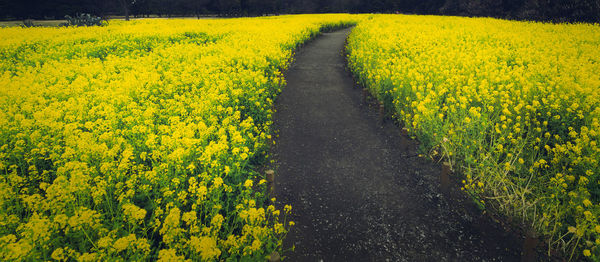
(538, 10)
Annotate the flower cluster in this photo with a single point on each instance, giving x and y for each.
(137, 140)
(514, 106)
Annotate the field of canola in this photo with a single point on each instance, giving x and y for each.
(137, 140)
(514, 106)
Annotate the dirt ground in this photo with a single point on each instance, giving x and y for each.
(358, 188)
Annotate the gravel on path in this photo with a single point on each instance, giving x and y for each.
(359, 191)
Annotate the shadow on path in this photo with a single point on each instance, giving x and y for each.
(358, 191)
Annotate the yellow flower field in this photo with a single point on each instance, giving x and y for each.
(137, 140)
(514, 106)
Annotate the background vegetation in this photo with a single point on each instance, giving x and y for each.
(541, 10)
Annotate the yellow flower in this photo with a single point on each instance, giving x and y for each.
(217, 182)
(256, 244)
(206, 247)
(588, 215)
(171, 229)
(88, 257)
(58, 254)
(124, 242)
(133, 212)
(168, 255)
(104, 242)
(243, 156)
(217, 221)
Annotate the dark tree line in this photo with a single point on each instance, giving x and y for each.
(541, 10)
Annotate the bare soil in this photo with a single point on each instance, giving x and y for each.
(358, 188)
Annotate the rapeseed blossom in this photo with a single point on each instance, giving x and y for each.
(514, 106)
(137, 140)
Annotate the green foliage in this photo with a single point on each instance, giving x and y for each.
(28, 23)
(83, 20)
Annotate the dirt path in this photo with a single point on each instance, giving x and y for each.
(358, 190)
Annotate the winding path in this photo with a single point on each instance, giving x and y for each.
(359, 191)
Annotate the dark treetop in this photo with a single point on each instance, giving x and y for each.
(541, 10)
